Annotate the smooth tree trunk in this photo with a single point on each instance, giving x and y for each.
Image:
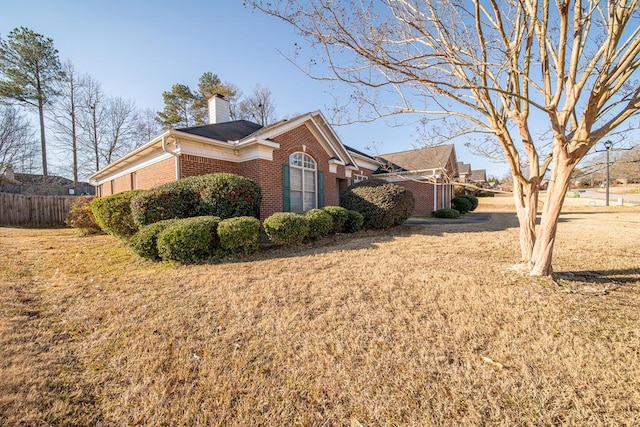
(546, 236)
(526, 202)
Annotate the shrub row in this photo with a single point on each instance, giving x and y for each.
(195, 239)
(287, 228)
(113, 213)
(80, 216)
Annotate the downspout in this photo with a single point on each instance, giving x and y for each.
(177, 156)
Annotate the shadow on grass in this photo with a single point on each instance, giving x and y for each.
(628, 276)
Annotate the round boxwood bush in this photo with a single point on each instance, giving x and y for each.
(446, 213)
(113, 213)
(224, 195)
(320, 223)
(382, 204)
(286, 228)
(80, 216)
(239, 234)
(145, 241)
(472, 199)
(485, 194)
(461, 204)
(189, 240)
(354, 222)
(339, 215)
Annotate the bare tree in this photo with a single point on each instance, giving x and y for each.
(512, 69)
(121, 125)
(93, 110)
(16, 137)
(259, 106)
(148, 127)
(65, 114)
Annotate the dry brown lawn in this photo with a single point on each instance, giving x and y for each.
(417, 326)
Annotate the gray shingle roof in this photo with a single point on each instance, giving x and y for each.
(228, 131)
(421, 159)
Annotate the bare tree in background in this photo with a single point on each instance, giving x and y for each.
(65, 115)
(93, 110)
(148, 127)
(120, 127)
(512, 69)
(16, 138)
(258, 107)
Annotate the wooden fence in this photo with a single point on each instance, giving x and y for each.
(31, 210)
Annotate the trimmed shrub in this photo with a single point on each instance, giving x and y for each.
(339, 215)
(189, 240)
(286, 228)
(80, 216)
(145, 241)
(320, 223)
(446, 213)
(485, 194)
(472, 199)
(239, 234)
(461, 204)
(354, 222)
(224, 195)
(381, 203)
(113, 213)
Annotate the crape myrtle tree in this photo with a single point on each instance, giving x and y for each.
(545, 79)
(29, 72)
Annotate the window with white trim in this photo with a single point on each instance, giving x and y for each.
(359, 178)
(303, 182)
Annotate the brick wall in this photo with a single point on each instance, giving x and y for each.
(422, 194)
(194, 165)
(122, 183)
(156, 174)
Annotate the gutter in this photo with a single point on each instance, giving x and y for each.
(173, 153)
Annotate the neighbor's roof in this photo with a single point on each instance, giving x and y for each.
(227, 131)
(421, 159)
(464, 168)
(353, 150)
(479, 175)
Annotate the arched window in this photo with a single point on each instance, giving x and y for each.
(303, 182)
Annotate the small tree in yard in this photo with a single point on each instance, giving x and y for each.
(546, 80)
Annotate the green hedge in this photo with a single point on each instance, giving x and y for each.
(339, 216)
(382, 204)
(189, 240)
(113, 213)
(286, 228)
(145, 241)
(354, 222)
(320, 223)
(81, 216)
(485, 194)
(461, 204)
(239, 234)
(472, 199)
(446, 213)
(223, 195)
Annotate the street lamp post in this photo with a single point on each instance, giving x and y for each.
(607, 147)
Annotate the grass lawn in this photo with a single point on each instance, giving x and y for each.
(421, 325)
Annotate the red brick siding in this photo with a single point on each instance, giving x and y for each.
(122, 183)
(194, 165)
(156, 174)
(422, 194)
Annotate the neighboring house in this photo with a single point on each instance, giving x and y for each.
(299, 163)
(428, 172)
(26, 183)
(464, 172)
(478, 177)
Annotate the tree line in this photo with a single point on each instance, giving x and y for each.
(88, 128)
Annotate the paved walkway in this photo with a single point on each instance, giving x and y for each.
(470, 218)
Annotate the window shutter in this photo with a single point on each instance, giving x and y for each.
(286, 189)
(320, 189)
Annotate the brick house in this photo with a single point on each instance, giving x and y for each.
(299, 163)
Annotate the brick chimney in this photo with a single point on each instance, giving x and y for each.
(219, 109)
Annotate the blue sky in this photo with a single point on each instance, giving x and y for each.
(137, 50)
